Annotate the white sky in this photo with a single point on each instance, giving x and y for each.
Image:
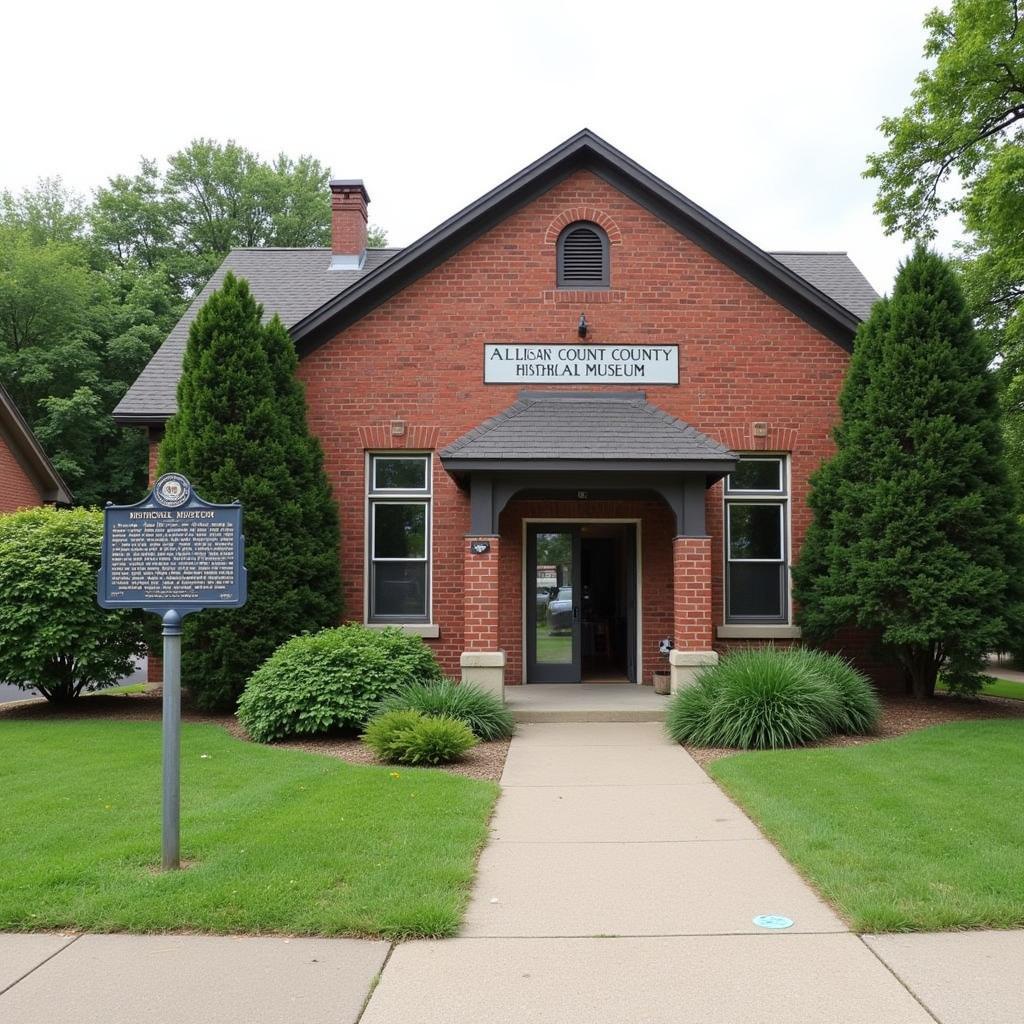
(762, 112)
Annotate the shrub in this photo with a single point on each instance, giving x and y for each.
(859, 705)
(410, 737)
(435, 741)
(764, 699)
(385, 733)
(329, 680)
(53, 634)
(240, 432)
(485, 714)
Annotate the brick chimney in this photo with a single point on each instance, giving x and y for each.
(349, 200)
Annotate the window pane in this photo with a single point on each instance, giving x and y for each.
(555, 617)
(399, 531)
(394, 474)
(400, 589)
(757, 475)
(755, 531)
(755, 590)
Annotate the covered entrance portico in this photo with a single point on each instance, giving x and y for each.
(541, 476)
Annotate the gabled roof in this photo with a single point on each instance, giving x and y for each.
(572, 428)
(25, 447)
(289, 282)
(314, 302)
(583, 151)
(835, 274)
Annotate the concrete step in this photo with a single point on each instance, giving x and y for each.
(585, 702)
(525, 714)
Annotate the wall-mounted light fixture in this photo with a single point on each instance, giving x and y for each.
(581, 327)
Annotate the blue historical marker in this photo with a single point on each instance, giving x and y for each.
(172, 553)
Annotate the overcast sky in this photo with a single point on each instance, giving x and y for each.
(762, 112)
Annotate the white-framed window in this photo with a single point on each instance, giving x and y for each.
(398, 537)
(757, 540)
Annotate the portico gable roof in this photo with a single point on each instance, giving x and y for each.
(582, 430)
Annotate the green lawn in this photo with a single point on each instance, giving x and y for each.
(278, 840)
(1000, 688)
(918, 833)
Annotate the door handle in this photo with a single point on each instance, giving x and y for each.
(575, 613)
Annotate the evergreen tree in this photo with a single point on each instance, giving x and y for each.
(240, 433)
(913, 532)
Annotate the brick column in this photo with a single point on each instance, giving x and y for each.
(482, 661)
(693, 628)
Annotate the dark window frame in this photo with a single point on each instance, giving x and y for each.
(778, 498)
(398, 496)
(594, 284)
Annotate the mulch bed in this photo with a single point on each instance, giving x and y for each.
(901, 715)
(484, 761)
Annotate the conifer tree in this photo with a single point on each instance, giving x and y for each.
(913, 532)
(240, 433)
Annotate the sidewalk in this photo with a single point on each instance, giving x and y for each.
(620, 884)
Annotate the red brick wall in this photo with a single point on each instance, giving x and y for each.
(16, 488)
(418, 358)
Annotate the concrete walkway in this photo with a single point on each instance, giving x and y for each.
(620, 884)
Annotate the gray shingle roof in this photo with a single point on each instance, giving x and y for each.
(580, 425)
(289, 282)
(295, 282)
(835, 274)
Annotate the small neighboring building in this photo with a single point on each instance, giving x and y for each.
(575, 419)
(27, 476)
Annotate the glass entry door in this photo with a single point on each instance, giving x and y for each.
(553, 596)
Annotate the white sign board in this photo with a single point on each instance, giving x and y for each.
(581, 364)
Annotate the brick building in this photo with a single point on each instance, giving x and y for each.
(27, 476)
(575, 419)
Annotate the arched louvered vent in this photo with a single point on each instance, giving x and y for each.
(583, 257)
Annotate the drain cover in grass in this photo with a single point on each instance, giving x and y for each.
(773, 921)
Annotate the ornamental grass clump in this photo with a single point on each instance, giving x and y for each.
(859, 706)
(410, 737)
(766, 699)
(482, 712)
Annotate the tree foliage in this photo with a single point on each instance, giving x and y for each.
(53, 635)
(240, 433)
(958, 150)
(210, 199)
(89, 290)
(913, 535)
(74, 333)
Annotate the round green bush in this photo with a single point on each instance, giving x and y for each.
(485, 714)
(410, 737)
(334, 679)
(765, 699)
(53, 634)
(385, 733)
(859, 706)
